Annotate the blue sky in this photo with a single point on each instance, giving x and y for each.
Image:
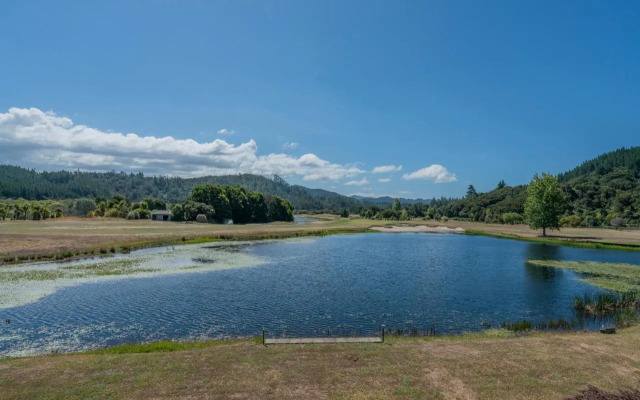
(473, 91)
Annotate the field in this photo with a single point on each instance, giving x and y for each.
(538, 366)
(489, 365)
(73, 237)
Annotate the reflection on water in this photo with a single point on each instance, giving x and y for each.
(346, 284)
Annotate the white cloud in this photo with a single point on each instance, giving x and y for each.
(405, 192)
(290, 145)
(384, 180)
(225, 131)
(386, 168)
(436, 173)
(361, 182)
(43, 140)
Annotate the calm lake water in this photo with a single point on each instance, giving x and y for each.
(344, 284)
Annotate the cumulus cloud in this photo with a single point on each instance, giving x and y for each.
(386, 168)
(43, 140)
(436, 173)
(361, 182)
(225, 131)
(384, 180)
(290, 145)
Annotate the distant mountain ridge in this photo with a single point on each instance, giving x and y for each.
(386, 200)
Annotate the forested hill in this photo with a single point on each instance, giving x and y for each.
(624, 159)
(597, 191)
(16, 182)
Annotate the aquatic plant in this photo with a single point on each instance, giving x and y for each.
(518, 326)
(606, 303)
(627, 317)
(614, 276)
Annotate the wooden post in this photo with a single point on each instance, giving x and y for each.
(263, 338)
(382, 332)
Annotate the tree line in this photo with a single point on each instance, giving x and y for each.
(221, 203)
(215, 202)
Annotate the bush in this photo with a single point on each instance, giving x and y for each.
(571, 221)
(618, 223)
(84, 206)
(512, 218)
(201, 218)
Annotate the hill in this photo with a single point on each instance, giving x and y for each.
(600, 189)
(17, 182)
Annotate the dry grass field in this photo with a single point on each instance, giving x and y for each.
(539, 366)
(23, 240)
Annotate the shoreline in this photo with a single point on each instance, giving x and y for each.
(74, 245)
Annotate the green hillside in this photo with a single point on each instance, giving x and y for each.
(600, 189)
(16, 182)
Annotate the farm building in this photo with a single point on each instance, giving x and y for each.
(161, 215)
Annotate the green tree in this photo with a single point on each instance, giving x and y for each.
(396, 206)
(258, 206)
(471, 191)
(85, 206)
(344, 213)
(215, 196)
(192, 209)
(278, 209)
(3, 212)
(501, 184)
(177, 212)
(545, 203)
(156, 204)
(239, 203)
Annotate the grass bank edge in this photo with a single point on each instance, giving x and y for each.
(166, 346)
(555, 241)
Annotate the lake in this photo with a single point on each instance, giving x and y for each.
(337, 285)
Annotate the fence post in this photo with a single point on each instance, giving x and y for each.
(382, 332)
(263, 338)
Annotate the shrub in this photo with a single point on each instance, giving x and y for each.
(201, 218)
(618, 223)
(570, 221)
(512, 218)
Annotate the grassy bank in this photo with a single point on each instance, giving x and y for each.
(549, 366)
(613, 276)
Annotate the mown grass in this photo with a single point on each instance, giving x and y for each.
(536, 366)
(613, 276)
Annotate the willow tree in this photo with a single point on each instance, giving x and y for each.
(545, 203)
